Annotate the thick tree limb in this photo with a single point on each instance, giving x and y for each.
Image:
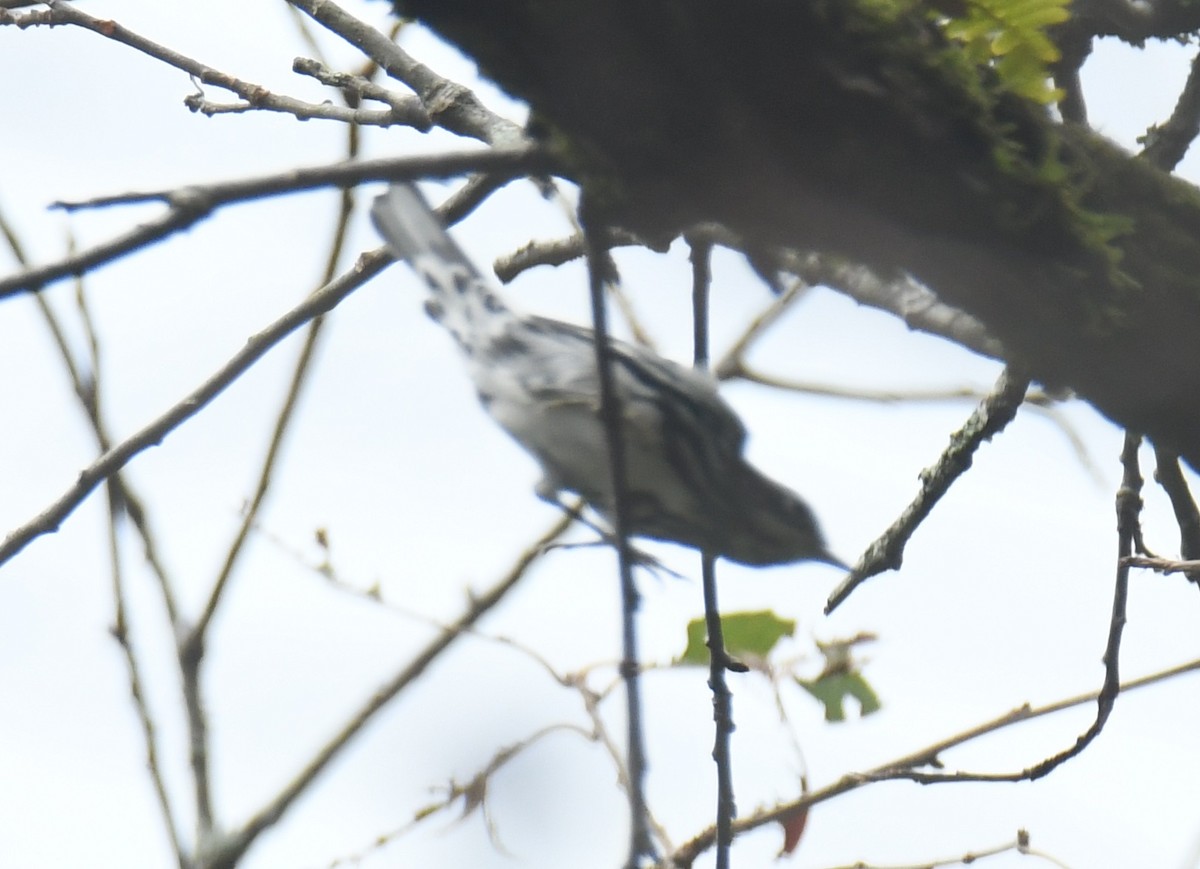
(853, 127)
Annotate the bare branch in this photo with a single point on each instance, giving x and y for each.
(320, 302)
(719, 659)
(1162, 565)
(286, 413)
(255, 97)
(914, 303)
(1019, 845)
(1165, 144)
(188, 205)
(501, 163)
(902, 767)
(120, 632)
(122, 501)
(557, 252)
(601, 271)
(989, 419)
(1169, 475)
(356, 87)
(905, 297)
(450, 105)
(229, 851)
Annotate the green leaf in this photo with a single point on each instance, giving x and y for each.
(1011, 36)
(749, 634)
(831, 691)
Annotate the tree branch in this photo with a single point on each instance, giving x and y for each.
(989, 419)
(188, 205)
(901, 768)
(450, 105)
(228, 852)
(255, 97)
(320, 302)
(601, 273)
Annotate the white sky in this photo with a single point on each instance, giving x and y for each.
(1004, 596)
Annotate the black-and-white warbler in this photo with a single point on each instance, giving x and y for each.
(686, 478)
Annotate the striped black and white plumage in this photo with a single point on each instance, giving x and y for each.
(686, 477)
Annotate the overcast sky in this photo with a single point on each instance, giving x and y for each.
(1003, 599)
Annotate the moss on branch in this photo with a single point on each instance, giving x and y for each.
(858, 127)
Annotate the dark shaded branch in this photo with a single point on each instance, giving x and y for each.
(719, 660)
(1134, 21)
(1075, 48)
(601, 272)
(855, 127)
(1169, 475)
(1165, 144)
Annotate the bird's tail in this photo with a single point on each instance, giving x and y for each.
(411, 228)
(461, 298)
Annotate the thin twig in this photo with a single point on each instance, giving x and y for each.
(731, 365)
(722, 698)
(86, 388)
(120, 627)
(1129, 505)
(227, 852)
(189, 205)
(718, 658)
(320, 302)
(902, 768)
(1019, 845)
(120, 632)
(357, 86)
(450, 105)
(600, 273)
(557, 252)
(406, 111)
(473, 794)
(591, 698)
(191, 648)
(1169, 475)
(989, 419)
(121, 501)
(501, 163)
(287, 411)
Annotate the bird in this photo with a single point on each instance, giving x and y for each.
(687, 480)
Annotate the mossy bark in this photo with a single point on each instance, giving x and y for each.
(852, 126)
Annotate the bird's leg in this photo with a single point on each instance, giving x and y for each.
(548, 491)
